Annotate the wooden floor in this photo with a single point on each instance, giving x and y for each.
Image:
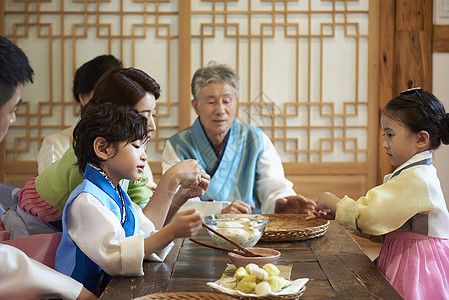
(371, 249)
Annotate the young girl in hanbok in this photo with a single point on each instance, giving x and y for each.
(104, 232)
(409, 207)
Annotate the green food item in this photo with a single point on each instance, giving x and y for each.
(240, 273)
(249, 278)
(271, 269)
(245, 286)
(274, 283)
(229, 283)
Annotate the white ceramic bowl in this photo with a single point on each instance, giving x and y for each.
(244, 229)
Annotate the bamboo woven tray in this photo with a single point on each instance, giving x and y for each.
(293, 227)
(185, 296)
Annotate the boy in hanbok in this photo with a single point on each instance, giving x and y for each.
(409, 207)
(104, 232)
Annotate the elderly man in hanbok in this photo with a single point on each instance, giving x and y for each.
(245, 169)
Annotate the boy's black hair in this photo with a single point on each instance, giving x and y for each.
(15, 69)
(112, 122)
(420, 110)
(88, 74)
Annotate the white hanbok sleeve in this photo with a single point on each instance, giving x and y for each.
(169, 159)
(147, 172)
(53, 148)
(98, 233)
(24, 278)
(271, 183)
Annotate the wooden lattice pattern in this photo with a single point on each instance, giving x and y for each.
(59, 36)
(303, 66)
(294, 120)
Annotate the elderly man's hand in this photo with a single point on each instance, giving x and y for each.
(294, 205)
(238, 207)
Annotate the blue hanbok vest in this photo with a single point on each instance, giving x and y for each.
(233, 173)
(70, 260)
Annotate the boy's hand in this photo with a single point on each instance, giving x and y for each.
(187, 223)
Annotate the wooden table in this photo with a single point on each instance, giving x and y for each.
(336, 266)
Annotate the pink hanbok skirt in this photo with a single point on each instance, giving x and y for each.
(416, 265)
(30, 201)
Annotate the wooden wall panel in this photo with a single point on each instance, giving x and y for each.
(18, 172)
(413, 40)
(311, 186)
(413, 60)
(184, 63)
(440, 38)
(373, 98)
(405, 54)
(386, 74)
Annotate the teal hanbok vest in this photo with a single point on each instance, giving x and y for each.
(233, 172)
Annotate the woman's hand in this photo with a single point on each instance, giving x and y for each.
(189, 174)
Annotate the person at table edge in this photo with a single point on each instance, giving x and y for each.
(246, 171)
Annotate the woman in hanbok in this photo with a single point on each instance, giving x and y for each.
(47, 193)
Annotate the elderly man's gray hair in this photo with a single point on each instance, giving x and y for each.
(214, 72)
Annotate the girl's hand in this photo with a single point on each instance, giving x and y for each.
(325, 208)
(187, 223)
(326, 214)
(327, 201)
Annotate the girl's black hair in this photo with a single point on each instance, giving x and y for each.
(420, 110)
(114, 123)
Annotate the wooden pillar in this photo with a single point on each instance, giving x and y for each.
(184, 63)
(2, 17)
(413, 44)
(2, 144)
(386, 74)
(405, 55)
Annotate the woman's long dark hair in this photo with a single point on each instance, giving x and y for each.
(125, 87)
